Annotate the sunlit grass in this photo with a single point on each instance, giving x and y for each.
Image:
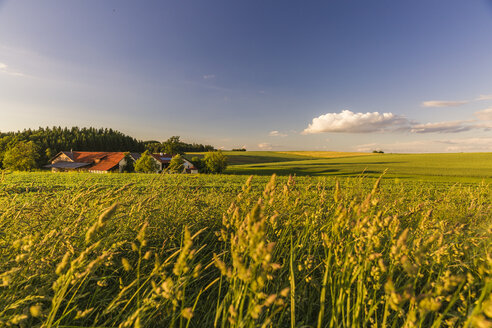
(136, 250)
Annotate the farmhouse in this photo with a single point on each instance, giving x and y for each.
(163, 161)
(96, 162)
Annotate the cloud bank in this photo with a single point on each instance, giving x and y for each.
(350, 122)
(442, 127)
(453, 103)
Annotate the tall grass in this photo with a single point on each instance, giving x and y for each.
(173, 251)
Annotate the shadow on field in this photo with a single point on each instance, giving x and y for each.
(355, 163)
(301, 172)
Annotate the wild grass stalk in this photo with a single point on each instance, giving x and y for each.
(234, 252)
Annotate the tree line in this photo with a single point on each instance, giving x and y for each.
(174, 146)
(36, 147)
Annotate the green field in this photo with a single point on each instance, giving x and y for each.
(224, 251)
(459, 167)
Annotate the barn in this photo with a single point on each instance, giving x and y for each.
(95, 162)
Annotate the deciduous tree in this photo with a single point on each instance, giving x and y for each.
(146, 164)
(21, 157)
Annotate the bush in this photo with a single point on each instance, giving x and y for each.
(146, 164)
(200, 165)
(215, 161)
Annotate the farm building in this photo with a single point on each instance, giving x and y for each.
(163, 161)
(95, 162)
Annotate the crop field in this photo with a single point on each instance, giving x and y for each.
(325, 154)
(146, 250)
(459, 167)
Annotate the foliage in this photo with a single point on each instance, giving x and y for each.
(174, 145)
(215, 161)
(176, 164)
(378, 152)
(6, 143)
(199, 163)
(129, 163)
(146, 164)
(288, 252)
(21, 157)
(238, 149)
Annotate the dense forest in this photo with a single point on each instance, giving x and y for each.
(47, 142)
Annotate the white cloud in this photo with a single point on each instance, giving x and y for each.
(442, 103)
(276, 133)
(3, 66)
(265, 146)
(350, 122)
(453, 103)
(442, 127)
(484, 97)
(484, 115)
(209, 77)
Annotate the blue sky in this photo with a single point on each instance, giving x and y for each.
(402, 76)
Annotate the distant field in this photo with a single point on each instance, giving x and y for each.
(254, 157)
(325, 154)
(459, 167)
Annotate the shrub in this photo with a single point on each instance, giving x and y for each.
(146, 164)
(215, 161)
(200, 165)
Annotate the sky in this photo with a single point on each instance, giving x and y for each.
(341, 75)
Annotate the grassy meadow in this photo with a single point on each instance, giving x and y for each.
(145, 250)
(457, 167)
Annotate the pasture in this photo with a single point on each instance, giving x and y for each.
(146, 250)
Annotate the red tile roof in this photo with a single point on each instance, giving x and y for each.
(103, 161)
